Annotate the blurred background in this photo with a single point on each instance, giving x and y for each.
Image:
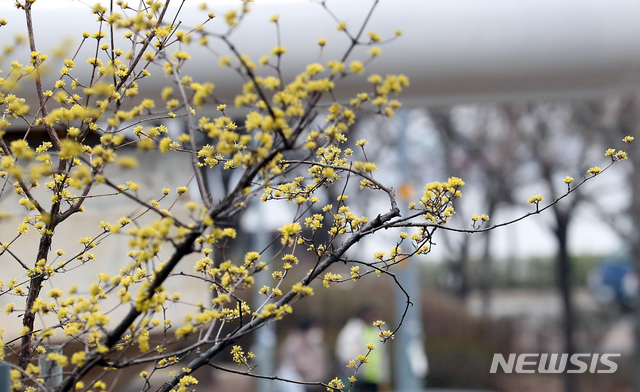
(510, 96)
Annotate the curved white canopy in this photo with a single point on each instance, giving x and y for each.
(452, 51)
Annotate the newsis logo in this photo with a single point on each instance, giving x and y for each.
(556, 363)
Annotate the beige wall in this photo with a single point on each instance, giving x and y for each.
(155, 171)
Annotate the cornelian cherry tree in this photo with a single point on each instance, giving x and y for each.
(280, 151)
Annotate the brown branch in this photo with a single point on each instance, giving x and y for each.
(274, 378)
(405, 221)
(41, 98)
(144, 204)
(146, 43)
(204, 358)
(28, 320)
(388, 191)
(204, 191)
(252, 76)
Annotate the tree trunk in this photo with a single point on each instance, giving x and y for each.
(564, 284)
(634, 212)
(460, 270)
(486, 273)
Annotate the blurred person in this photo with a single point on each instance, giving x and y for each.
(303, 357)
(352, 341)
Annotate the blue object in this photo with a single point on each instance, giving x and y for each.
(5, 377)
(614, 280)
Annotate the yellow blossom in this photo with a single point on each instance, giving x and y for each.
(594, 170)
(535, 199)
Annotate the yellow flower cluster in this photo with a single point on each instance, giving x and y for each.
(330, 277)
(335, 384)
(288, 232)
(301, 289)
(437, 200)
(535, 199)
(478, 220)
(239, 356)
(594, 170)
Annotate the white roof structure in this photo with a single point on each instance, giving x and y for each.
(453, 52)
